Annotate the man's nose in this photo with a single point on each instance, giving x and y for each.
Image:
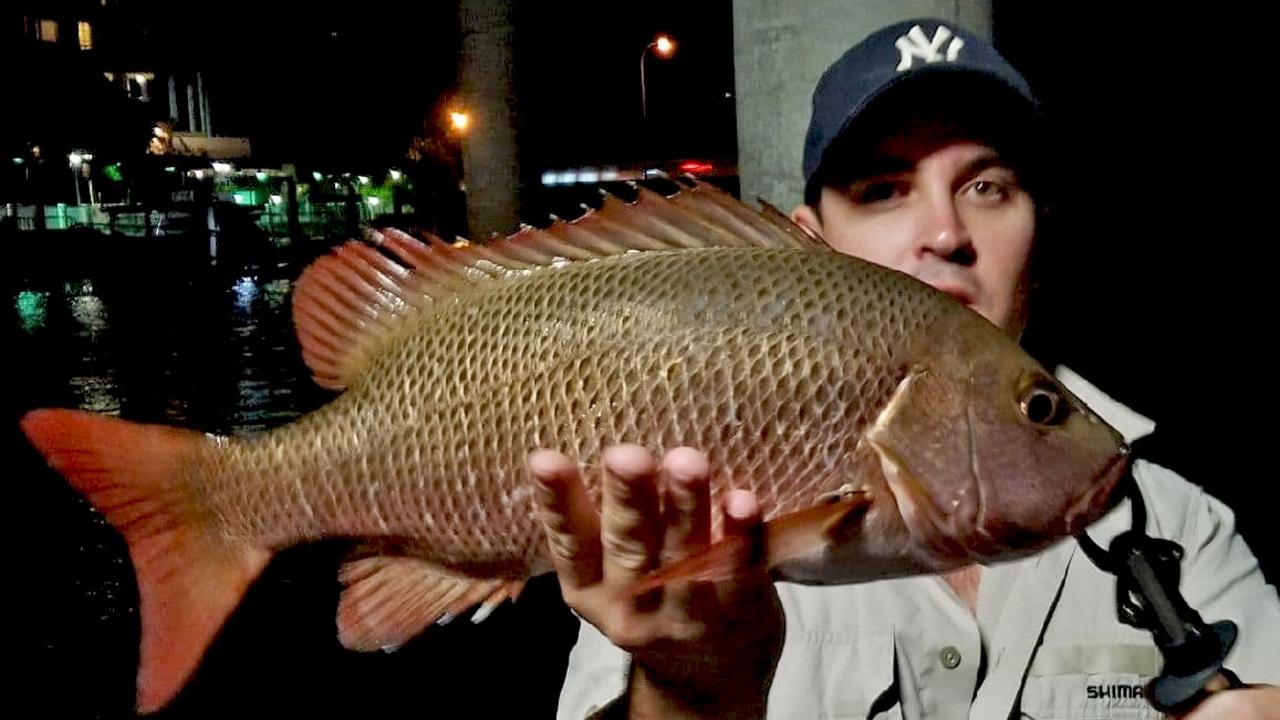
(944, 234)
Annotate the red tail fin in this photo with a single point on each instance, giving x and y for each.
(189, 577)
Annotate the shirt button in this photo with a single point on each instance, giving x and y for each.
(950, 657)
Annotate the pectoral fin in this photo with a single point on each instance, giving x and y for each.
(785, 537)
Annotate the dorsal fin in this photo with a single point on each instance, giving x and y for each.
(347, 302)
(769, 226)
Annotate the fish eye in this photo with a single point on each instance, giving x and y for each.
(1043, 405)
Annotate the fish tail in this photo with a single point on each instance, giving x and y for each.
(190, 577)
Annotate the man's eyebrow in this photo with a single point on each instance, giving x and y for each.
(985, 161)
(874, 166)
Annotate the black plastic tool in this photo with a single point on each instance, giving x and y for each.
(1147, 577)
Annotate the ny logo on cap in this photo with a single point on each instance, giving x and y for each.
(915, 44)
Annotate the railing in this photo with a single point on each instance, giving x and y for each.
(314, 219)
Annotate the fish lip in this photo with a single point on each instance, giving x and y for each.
(1102, 497)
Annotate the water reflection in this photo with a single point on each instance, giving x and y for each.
(246, 290)
(192, 348)
(206, 351)
(276, 292)
(89, 311)
(32, 309)
(188, 348)
(97, 392)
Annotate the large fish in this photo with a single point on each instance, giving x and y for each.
(886, 428)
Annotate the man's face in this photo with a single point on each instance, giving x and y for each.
(943, 208)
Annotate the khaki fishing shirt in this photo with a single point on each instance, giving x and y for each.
(1045, 642)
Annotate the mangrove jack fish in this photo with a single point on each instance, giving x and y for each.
(885, 428)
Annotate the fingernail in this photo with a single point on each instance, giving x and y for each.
(687, 465)
(740, 504)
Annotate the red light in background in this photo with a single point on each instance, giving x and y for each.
(695, 167)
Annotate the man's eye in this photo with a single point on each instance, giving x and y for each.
(988, 190)
(875, 192)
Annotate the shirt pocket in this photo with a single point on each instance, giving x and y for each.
(828, 673)
(1103, 681)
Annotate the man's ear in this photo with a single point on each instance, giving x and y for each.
(806, 216)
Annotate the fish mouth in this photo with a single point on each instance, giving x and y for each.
(1102, 496)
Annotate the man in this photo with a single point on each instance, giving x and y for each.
(924, 162)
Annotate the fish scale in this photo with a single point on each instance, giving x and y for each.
(442, 423)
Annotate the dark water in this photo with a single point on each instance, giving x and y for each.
(182, 343)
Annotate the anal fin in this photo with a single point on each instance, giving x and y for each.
(387, 601)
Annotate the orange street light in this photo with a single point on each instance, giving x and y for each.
(664, 47)
(459, 120)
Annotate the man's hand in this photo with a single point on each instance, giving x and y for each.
(698, 649)
(1256, 702)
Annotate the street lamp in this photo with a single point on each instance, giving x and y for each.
(664, 47)
(459, 120)
(460, 123)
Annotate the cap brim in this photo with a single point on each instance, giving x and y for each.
(869, 108)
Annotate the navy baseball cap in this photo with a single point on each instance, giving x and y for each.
(894, 57)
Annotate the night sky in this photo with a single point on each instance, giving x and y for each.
(351, 83)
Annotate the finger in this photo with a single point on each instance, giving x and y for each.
(629, 522)
(741, 512)
(686, 509)
(569, 517)
(742, 518)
